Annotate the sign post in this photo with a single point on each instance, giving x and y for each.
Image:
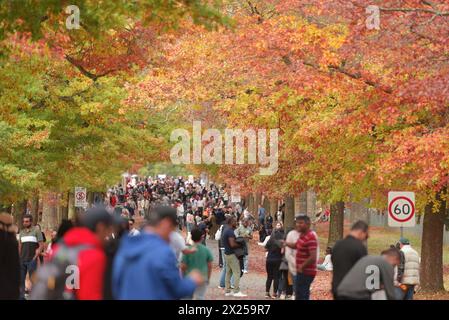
(401, 209)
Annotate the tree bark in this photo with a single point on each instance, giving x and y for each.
(302, 203)
(273, 207)
(257, 201)
(311, 204)
(35, 207)
(289, 220)
(251, 207)
(71, 206)
(65, 206)
(336, 223)
(49, 211)
(432, 247)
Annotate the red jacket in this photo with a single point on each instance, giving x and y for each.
(91, 263)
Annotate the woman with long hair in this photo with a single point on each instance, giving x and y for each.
(274, 259)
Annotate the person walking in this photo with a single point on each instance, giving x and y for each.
(30, 248)
(200, 260)
(232, 262)
(410, 277)
(246, 232)
(347, 252)
(142, 274)
(93, 232)
(306, 257)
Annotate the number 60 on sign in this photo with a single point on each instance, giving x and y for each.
(401, 209)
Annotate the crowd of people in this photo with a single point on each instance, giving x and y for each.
(148, 239)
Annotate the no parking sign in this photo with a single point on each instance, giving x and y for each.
(401, 209)
(80, 197)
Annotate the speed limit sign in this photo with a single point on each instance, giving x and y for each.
(401, 209)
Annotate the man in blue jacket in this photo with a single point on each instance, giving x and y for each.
(145, 267)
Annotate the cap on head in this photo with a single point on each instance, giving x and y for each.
(404, 240)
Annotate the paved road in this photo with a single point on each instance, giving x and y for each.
(253, 283)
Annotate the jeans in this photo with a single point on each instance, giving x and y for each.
(180, 222)
(284, 287)
(303, 283)
(223, 271)
(399, 294)
(273, 275)
(246, 257)
(190, 226)
(245, 263)
(220, 255)
(294, 282)
(26, 267)
(232, 269)
(409, 293)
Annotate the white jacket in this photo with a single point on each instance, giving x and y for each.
(411, 265)
(290, 254)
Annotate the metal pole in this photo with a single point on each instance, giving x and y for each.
(402, 232)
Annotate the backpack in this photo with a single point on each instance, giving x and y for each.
(51, 279)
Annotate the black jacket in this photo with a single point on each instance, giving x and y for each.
(345, 255)
(9, 266)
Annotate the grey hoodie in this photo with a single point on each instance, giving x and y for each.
(359, 282)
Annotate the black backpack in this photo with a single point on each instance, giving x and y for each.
(51, 279)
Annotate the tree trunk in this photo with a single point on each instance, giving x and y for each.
(432, 247)
(257, 201)
(273, 207)
(289, 221)
(251, 207)
(71, 206)
(311, 204)
(302, 203)
(65, 206)
(35, 207)
(49, 211)
(336, 223)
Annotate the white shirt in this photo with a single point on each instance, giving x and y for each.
(327, 263)
(290, 254)
(177, 244)
(180, 210)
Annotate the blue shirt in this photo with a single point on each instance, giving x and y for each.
(145, 268)
(227, 234)
(261, 213)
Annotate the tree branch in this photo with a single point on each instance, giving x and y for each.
(85, 72)
(356, 76)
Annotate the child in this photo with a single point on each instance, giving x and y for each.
(200, 260)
